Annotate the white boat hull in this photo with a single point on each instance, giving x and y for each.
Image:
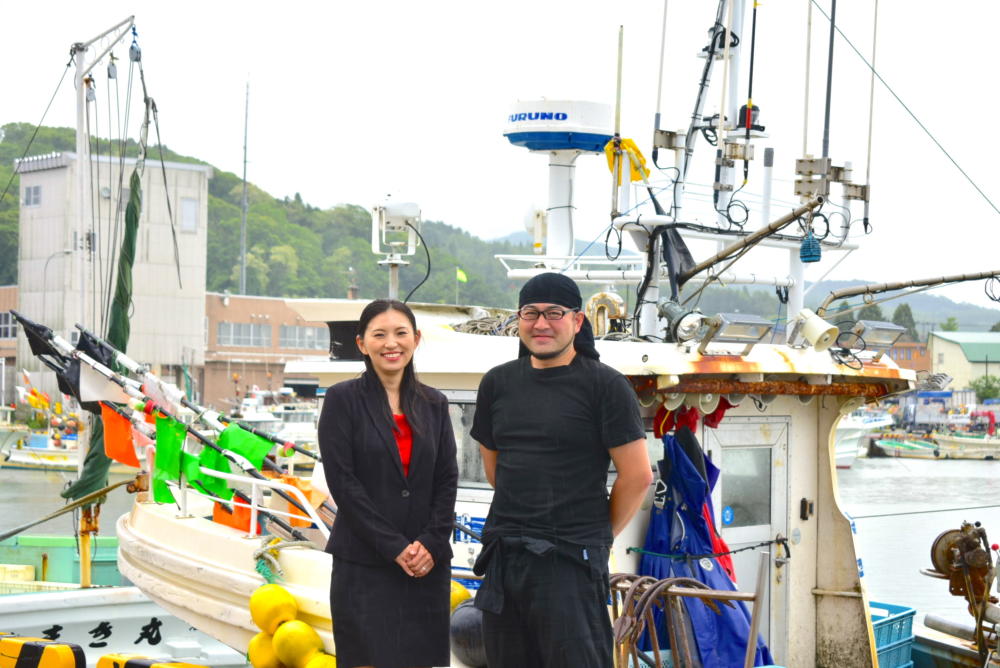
(111, 620)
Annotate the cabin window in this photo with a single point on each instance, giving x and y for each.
(747, 488)
(189, 214)
(32, 195)
(940, 358)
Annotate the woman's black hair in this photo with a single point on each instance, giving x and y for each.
(410, 392)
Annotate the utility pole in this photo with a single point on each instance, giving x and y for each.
(243, 215)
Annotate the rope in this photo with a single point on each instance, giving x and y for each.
(266, 556)
(922, 512)
(783, 542)
(82, 501)
(37, 127)
(489, 326)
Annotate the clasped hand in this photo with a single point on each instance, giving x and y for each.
(415, 560)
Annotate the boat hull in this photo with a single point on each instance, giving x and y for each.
(109, 620)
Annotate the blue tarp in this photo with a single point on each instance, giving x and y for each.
(677, 527)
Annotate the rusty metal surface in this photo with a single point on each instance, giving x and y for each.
(781, 387)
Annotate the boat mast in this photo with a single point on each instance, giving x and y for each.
(243, 208)
(83, 194)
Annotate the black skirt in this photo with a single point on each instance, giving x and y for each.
(382, 617)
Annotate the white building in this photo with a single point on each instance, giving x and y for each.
(64, 280)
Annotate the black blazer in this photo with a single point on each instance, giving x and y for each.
(379, 510)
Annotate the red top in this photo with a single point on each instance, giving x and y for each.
(404, 441)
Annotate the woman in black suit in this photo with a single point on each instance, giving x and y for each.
(389, 456)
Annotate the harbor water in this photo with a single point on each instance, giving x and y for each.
(899, 507)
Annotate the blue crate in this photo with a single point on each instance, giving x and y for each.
(891, 623)
(896, 655)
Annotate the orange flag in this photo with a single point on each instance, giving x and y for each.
(118, 437)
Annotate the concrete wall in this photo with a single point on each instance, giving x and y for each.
(63, 281)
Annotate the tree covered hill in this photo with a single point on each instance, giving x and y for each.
(294, 249)
(299, 250)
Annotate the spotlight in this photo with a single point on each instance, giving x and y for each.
(735, 328)
(683, 324)
(878, 336)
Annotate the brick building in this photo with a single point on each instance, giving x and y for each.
(247, 342)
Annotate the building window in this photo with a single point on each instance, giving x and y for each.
(940, 358)
(8, 326)
(909, 353)
(32, 195)
(243, 334)
(304, 338)
(189, 214)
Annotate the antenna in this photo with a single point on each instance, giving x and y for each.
(243, 208)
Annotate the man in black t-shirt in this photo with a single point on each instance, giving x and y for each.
(548, 424)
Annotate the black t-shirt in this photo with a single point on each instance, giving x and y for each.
(552, 429)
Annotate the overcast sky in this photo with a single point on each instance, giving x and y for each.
(350, 101)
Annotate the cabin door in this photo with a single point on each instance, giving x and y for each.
(750, 502)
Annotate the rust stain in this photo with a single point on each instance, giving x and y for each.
(781, 387)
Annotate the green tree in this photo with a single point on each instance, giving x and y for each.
(284, 269)
(841, 318)
(903, 317)
(950, 325)
(995, 327)
(871, 312)
(986, 387)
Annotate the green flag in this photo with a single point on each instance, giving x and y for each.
(169, 442)
(242, 442)
(210, 458)
(460, 275)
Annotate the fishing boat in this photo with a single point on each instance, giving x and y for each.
(909, 448)
(201, 555)
(853, 432)
(960, 445)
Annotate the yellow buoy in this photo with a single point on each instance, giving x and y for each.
(261, 652)
(296, 642)
(458, 594)
(270, 606)
(322, 660)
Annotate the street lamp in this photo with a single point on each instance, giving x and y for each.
(45, 277)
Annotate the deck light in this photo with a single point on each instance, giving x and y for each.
(735, 328)
(683, 324)
(878, 336)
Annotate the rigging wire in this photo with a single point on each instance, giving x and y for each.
(151, 104)
(120, 204)
(37, 128)
(910, 112)
(88, 239)
(871, 114)
(426, 250)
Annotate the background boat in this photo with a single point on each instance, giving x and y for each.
(851, 435)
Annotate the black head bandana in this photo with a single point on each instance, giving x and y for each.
(553, 288)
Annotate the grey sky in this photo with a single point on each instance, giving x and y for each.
(351, 101)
